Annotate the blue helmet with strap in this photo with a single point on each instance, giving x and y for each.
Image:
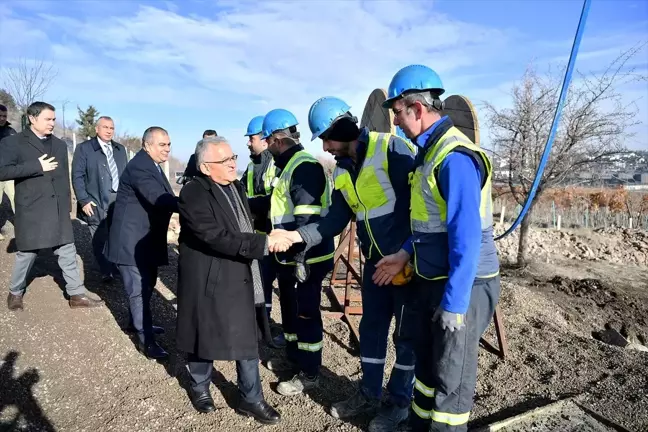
(413, 78)
(277, 119)
(255, 126)
(326, 111)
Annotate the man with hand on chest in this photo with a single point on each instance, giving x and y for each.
(38, 163)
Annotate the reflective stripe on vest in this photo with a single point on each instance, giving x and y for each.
(282, 209)
(372, 195)
(428, 208)
(267, 177)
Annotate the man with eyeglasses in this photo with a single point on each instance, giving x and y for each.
(137, 242)
(453, 251)
(300, 196)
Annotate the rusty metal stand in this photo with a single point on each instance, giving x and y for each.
(502, 350)
(346, 254)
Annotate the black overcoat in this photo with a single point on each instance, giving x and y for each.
(43, 199)
(217, 317)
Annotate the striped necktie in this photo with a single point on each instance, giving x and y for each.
(114, 174)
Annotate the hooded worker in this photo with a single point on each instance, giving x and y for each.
(452, 249)
(371, 184)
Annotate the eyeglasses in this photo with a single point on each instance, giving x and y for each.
(224, 161)
(397, 112)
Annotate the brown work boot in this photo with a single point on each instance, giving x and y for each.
(83, 301)
(14, 302)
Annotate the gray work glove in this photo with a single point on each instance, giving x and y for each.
(449, 320)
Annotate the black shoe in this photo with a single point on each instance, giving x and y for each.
(202, 401)
(156, 330)
(153, 351)
(107, 279)
(261, 411)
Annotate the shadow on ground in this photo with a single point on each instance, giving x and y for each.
(17, 391)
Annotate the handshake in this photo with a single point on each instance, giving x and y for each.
(281, 240)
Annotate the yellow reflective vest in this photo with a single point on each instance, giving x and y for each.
(428, 212)
(283, 210)
(372, 198)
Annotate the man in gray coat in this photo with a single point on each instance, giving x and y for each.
(38, 163)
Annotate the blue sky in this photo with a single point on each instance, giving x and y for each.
(196, 65)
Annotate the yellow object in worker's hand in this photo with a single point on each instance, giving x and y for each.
(404, 276)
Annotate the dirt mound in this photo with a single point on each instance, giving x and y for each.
(614, 245)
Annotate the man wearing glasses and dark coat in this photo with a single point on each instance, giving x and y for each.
(221, 305)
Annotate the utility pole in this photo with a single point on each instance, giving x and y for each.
(64, 103)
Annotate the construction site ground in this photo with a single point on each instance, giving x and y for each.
(76, 370)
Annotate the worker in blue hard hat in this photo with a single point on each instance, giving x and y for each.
(300, 195)
(452, 250)
(258, 178)
(370, 183)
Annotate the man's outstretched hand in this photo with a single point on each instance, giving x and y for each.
(390, 266)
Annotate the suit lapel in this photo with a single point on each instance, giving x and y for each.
(165, 181)
(219, 196)
(160, 174)
(34, 140)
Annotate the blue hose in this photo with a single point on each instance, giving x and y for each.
(556, 120)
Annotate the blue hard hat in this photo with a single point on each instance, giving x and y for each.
(277, 119)
(324, 112)
(413, 77)
(255, 126)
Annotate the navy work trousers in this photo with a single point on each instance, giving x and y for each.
(379, 305)
(301, 316)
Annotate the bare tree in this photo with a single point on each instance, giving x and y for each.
(28, 81)
(595, 123)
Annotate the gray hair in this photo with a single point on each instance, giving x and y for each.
(425, 98)
(146, 138)
(203, 145)
(105, 118)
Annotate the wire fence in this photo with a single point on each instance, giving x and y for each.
(549, 215)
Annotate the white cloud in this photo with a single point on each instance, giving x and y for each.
(258, 56)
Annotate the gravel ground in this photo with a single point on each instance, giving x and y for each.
(76, 370)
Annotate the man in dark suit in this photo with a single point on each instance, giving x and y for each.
(137, 240)
(96, 167)
(220, 289)
(38, 163)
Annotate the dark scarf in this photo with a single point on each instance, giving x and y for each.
(245, 225)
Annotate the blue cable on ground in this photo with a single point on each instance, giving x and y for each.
(556, 120)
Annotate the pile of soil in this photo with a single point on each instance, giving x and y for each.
(613, 245)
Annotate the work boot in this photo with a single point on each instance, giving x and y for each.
(281, 365)
(15, 302)
(359, 403)
(279, 341)
(388, 418)
(298, 384)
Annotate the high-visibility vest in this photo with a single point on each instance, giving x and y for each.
(267, 177)
(372, 198)
(428, 212)
(282, 208)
